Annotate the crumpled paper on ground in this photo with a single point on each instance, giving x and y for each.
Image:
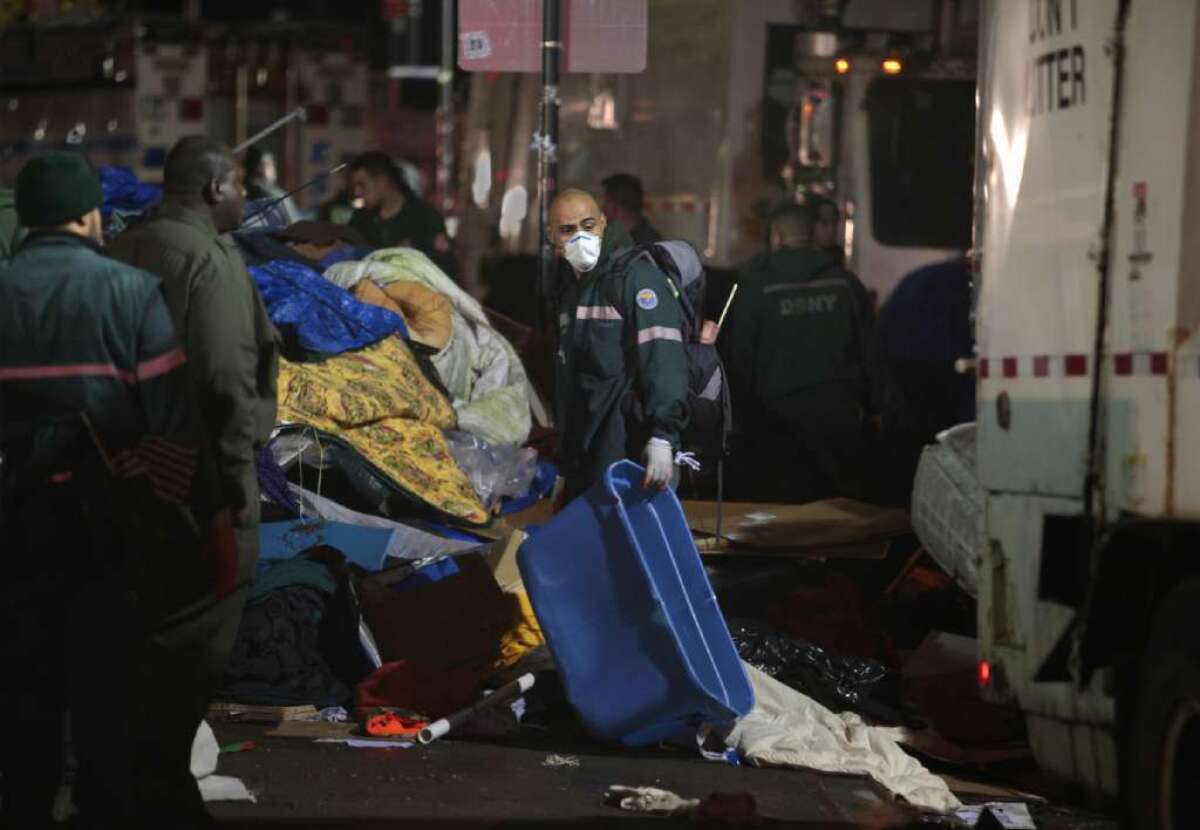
(788, 729)
(205, 752)
(650, 800)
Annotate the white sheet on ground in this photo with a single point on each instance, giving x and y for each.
(205, 752)
(788, 729)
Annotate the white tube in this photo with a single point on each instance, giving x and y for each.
(434, 731)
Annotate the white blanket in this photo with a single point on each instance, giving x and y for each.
(788, 729)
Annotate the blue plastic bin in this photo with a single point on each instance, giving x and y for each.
(629, 614)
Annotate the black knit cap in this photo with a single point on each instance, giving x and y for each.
(55, 189)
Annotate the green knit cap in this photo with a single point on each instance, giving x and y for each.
(56, 188)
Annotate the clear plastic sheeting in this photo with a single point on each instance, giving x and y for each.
(947, 504)
(838, 681)
(495, 471)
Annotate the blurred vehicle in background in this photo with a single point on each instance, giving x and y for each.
(743, 107)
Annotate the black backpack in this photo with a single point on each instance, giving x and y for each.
(709, 403)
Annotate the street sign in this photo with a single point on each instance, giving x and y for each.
(506, 35)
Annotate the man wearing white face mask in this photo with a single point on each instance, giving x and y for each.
(620, 351)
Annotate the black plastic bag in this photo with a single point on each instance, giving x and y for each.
(837, 682)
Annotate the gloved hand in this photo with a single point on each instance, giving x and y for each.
(659, 459)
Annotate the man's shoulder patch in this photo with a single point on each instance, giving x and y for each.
(647, 299)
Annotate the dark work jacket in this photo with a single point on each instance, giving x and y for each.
(803, 328)
(615, 344)
(232, 347)
(92, 379)
(644, 233)
(417, 225)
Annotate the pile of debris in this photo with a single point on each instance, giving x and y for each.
(398, 599)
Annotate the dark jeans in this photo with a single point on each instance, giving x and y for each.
(74, 641)
(68, 642)
(802, 449)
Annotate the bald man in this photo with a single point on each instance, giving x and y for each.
(232, 352)
(621, 370)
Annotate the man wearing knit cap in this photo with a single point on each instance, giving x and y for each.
(108, 520)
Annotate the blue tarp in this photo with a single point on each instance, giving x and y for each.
(322, 316)
(123, 192)
(364, 546)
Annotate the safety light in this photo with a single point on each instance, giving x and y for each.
(892, 66)
(841, 66)
(985, 674)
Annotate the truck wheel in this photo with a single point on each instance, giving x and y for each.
(1163, 761)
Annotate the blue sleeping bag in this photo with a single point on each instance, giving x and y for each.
(321, 316)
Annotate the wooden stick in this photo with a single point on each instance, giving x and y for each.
(725, 310)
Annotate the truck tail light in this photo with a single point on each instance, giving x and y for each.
(985, 674)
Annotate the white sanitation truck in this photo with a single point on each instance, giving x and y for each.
(1088, 328)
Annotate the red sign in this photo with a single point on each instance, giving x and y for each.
(597, 35)
(395, 9)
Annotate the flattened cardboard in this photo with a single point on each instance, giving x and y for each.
(830, 523)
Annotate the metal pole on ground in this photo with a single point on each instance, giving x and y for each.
(547, 144)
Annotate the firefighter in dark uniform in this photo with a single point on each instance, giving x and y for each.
(107, 516)
(802, 353)
(621, 370)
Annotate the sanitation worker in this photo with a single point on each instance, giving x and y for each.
(109, 520)
(802, 354)
(621, 371)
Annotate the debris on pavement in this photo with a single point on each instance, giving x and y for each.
(724, 808)
(368, 743)
(1008, 815)
(556, 760)
(836, 681)
(394, 723)
(248, 713)
(213, 787)
(504, 695)
(650, 800)
(312, 729)
(788, 729)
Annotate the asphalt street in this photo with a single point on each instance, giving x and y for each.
(301, 783)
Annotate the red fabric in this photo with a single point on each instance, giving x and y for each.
(223, 544)
(434, 693)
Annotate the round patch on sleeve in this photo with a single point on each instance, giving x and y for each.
(647, 299)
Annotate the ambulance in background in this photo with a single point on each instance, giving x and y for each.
(1088, 328)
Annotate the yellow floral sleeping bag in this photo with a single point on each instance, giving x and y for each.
(378, 400)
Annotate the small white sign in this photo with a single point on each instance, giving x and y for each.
(476, 45)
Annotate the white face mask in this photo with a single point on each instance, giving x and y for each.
(582, 251)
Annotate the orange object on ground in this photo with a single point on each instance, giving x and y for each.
(394, 724)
